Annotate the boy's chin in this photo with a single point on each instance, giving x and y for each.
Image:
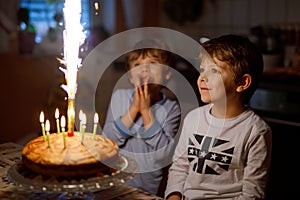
(204, 100)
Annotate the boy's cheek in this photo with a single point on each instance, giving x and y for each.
(136, 81)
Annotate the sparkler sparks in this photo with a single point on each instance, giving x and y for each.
(73, 37)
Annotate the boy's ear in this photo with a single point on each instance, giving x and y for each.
(245, 83)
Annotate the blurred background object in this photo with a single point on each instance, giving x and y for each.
(8, 25)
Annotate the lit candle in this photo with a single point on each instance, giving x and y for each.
(48, 131)
(63, 125)
(57, 120)
(42, 119)
(83, 127)
(80, 120)
(96, 120)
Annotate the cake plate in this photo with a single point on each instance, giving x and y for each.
(70, 188)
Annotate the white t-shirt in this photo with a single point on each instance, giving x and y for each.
(221, 158)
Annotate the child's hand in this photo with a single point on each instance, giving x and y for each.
(145, 98)
(145, 104)
(141, 104)
(135, 106)
(136, 101)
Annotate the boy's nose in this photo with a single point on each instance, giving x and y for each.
(203, 76)
(144, 68)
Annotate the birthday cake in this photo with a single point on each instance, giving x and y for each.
(78, 155)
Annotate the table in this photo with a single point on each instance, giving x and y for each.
(11, 152)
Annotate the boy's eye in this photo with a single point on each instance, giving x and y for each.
(153, 62)
(215, 71)
(201, 70)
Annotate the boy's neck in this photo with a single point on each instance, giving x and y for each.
(229, 111)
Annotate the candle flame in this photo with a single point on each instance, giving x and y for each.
(80, 115)
(63, 121)
(42, 117)
(83, 119)
(96, 118)
(47, 126)
(56, 113)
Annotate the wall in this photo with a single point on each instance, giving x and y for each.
(29, 84)
(217, 17)
(236, 16)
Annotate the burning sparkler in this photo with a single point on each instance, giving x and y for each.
(73, 37)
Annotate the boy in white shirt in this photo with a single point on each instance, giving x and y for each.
(224, 151)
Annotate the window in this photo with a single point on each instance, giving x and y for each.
(47, 15)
